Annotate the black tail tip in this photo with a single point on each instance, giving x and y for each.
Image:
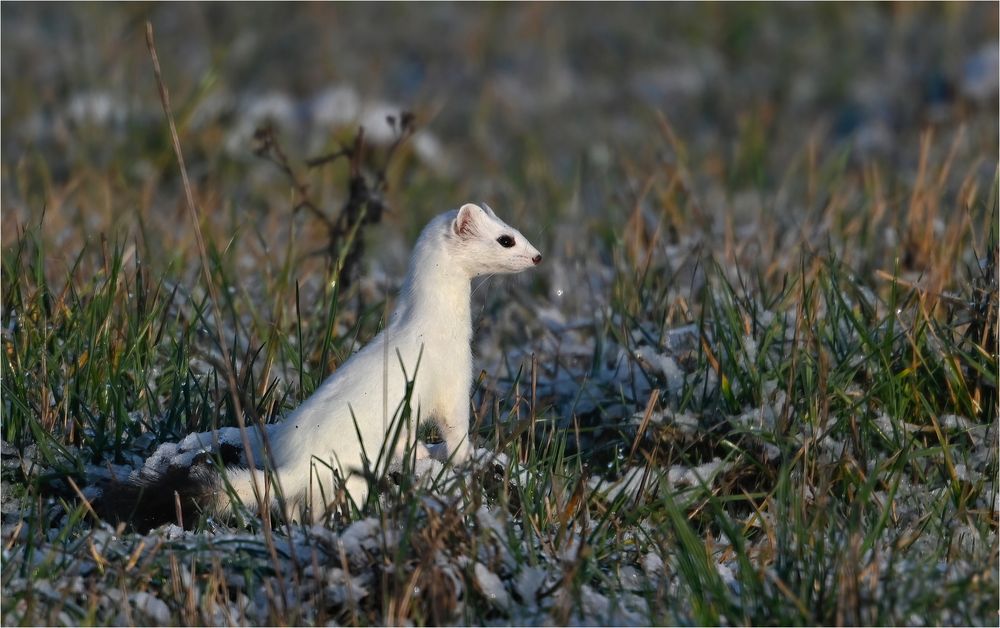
(178, 496)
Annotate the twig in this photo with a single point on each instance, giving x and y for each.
(230, 375)
(315, 162)
(364, 204)
(646, 417)
(270, 149)
(86, 502)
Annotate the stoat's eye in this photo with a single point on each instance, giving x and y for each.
(506, 241)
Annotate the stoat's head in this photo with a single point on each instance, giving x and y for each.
(484, 244)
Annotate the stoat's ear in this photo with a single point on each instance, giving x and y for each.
(488, 210)
(465, 222)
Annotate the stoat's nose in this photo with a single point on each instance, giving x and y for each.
(537, 259)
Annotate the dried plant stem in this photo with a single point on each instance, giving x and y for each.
(213, 293)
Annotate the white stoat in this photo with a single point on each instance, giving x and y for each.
(432, 323)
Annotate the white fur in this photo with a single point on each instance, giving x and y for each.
(432, 322)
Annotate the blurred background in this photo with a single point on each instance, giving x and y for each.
(569, 119)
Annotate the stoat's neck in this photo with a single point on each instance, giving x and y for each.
(435, 297)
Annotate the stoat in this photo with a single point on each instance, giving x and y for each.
(427, 340)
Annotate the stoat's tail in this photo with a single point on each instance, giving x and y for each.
(180, 493)
(177, 495)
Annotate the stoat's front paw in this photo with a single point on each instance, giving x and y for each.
(437, 451)
(441, 451)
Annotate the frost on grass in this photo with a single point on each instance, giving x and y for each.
(509, 538)
(448, 559)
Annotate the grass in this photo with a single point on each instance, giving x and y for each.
(843, 493)
(772, 398)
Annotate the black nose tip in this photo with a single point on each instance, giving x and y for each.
(537, 259)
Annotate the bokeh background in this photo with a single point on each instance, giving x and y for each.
(563, 116)
(742, 131)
